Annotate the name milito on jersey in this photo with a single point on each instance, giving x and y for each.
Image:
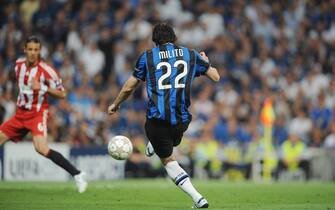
(170, 54)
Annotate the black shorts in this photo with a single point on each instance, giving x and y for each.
(164, 136)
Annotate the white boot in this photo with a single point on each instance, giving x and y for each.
(149, 150)
(81, 182)
(201, 204)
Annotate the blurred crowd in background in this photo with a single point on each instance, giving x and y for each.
(284, 50)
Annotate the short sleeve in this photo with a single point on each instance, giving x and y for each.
(201, 66)
(140, 68)
(52, 78)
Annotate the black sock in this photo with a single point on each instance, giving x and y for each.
(60, 160)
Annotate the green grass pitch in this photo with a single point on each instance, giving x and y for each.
(161, 194)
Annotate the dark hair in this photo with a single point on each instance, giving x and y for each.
(34, 39)
(163, 33)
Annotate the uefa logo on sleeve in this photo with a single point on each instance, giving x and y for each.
(40, 126)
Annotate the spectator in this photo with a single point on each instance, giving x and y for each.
(207, 155)
(330, 139)
(92, 58)
(301, 125)
(293, 156)
(27, 9)
(320, 114)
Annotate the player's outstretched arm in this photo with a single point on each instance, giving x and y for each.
(212, 72)
(126, 91)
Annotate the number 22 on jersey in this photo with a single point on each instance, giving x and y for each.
(178, 80)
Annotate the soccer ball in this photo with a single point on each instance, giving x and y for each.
(120, 147)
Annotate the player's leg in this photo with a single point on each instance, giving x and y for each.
(41, 146)
(3, 138)
(12, 129)
(162, 140)
(38, 128)
(182, 180)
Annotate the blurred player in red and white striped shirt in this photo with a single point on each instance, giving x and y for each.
(36, 80)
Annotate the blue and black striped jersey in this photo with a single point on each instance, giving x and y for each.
(169, 71)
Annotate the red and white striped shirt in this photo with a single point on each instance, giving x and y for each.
(28, 99)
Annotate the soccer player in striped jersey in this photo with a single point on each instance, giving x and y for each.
(168, 71)
(36, 80)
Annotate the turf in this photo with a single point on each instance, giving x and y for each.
(159, 194)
